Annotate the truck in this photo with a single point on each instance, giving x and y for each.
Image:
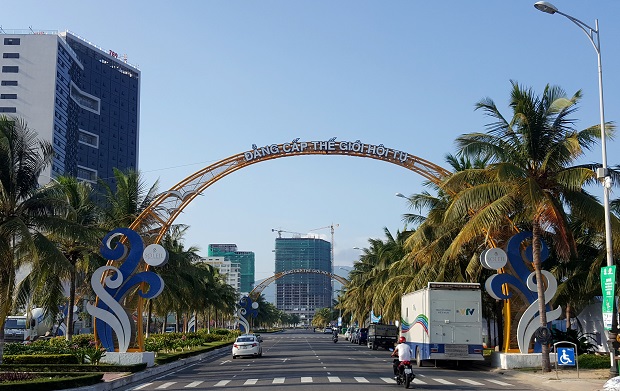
(383, 335)
(443, 322)
(24, 328)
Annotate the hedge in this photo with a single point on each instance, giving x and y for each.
(72, 368)
(53, 381)
(40, 359)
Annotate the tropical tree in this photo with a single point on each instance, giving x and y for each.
(529, 180)
(50, 273)
(27, 211)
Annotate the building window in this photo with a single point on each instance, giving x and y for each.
(88, 139)
(11, 41)
(86, 174)
(10, 55)
(10, 69)
(8, 96)
(8, 110)
(84, 100)
(9, 82)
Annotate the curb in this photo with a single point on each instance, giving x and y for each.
(149, 372)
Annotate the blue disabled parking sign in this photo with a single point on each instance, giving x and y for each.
(566, 356)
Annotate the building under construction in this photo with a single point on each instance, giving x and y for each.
(298, 293)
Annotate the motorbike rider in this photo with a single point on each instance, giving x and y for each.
(404, 354)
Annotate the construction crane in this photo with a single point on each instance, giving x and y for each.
(331, 227)
(279, 231)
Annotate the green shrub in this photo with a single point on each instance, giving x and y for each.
(53, 381)
(594, 361)
(41, 359)
(83, 340)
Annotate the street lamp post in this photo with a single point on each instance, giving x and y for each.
(602, 173)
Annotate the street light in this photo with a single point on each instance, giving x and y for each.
(601, 173)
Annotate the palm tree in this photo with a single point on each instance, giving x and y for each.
(529, 179)
(27, 211)
(78, 252)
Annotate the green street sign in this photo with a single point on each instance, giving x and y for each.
(608, 285)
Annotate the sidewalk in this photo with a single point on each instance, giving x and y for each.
(588, 380)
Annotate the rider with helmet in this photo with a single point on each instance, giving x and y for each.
(404, 354)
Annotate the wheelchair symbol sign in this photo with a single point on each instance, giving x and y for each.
(566, 356)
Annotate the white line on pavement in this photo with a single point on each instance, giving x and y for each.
(278, 380)
(250, 382)
(442, 381)
(194, 384)
(166, 385)
(501, 383)
(473, 382)
(306, 379)
(142, 386)
(389, 380)
(221, 383)
(361, 379)
(333, 379)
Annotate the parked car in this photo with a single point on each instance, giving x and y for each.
(353, 335)
(328, 330)
(247, 345)
(361, 336)
(347, 334)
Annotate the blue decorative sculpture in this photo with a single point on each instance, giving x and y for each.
(249, 308)
(524, 282)
(110, 315)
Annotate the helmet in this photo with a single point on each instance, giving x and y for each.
(402, 340)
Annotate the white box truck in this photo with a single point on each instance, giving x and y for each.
(443, 322)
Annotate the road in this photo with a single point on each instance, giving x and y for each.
(308, 360)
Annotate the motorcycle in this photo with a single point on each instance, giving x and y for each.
(405, 373)
(335, 338)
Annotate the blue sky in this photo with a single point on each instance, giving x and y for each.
(219, 76)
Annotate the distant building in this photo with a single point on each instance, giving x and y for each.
(245, 259)
(82, 99)
(232, 271)
(303, 294)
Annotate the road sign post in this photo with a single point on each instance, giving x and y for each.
(565, 356)
(608, 284)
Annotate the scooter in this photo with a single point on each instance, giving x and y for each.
(405, 373)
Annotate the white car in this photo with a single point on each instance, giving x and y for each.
(247, 345)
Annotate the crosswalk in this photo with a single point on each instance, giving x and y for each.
(424, 380)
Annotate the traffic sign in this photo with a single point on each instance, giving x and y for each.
(566, 356)
(608, 285)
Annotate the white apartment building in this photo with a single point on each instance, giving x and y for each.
(231, 270)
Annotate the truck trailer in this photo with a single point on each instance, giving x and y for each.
(382, 335)
(24, 328)
(443, 322)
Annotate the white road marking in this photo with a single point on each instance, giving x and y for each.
(388, 380)
(166, 385)
(221, 383)
(224, 362)
(250, 382)
(473, 382)
(142, 386)
(501, 383)
(360, 379)
(278, 380)
(333, 379)
(306, 379)
(194, 384)
(442, 381)
(418, 381)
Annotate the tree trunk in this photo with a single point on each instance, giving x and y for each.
(69, 324)
(567, 314)
(540, 288)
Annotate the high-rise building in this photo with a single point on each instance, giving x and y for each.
(232, 271)
(82, 99)
(303, 293)
(245, 259)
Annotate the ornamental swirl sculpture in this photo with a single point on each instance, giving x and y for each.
(112, 284)
(524, 282)
(249, 308)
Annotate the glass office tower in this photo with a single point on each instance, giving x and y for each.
(82, 99)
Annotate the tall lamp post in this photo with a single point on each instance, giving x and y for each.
(601, 173)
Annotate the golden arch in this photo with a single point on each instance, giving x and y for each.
(153, 223)
(259, 288)
(155, 220)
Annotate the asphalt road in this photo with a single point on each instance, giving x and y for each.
(304, 360)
